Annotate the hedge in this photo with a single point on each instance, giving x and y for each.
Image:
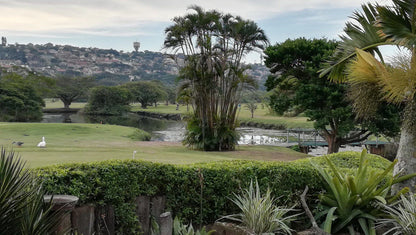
(119, 182)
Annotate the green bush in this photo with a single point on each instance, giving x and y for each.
(140, 135)
(119, 182)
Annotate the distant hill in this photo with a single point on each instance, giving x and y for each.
(110, 67)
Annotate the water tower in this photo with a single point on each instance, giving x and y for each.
(136, 46)
(3, 41)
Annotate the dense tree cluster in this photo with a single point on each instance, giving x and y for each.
(20, 100)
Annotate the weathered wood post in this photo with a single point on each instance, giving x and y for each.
(143, 213)
(62, 202)
(158, 207)
(166, 223)
(105, 220)
(83, 219)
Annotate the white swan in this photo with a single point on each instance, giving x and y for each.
(42, 144)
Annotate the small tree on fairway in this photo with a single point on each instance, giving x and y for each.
(214, 45)
(251, 106)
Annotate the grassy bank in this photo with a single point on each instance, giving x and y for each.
(94, 142)
(261, 115)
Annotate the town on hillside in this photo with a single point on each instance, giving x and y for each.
(108, 66)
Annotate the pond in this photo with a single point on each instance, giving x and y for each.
(168, 130)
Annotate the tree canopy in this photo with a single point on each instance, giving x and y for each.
(213, 45)
(108, 101)
(19, 99)
(296, 86)
(146, 92)
(68, 89)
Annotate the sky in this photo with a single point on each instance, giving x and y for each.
(117, 24)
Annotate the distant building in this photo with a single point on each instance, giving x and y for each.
(3, 41)
(136, 46)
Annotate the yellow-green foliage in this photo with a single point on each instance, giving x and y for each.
(119, 182)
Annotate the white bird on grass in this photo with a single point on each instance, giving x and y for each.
(134, 153)
(42, 144)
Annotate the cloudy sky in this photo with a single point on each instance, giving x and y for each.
(117, 23)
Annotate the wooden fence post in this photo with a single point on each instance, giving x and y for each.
(165, 223)
(143, 213)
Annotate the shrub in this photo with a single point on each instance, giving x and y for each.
(140, 135)
(401, 216)
(352, 196)
(258, 212)
(119, 182)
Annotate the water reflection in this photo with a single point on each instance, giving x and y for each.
(162, 130)
(167, 130)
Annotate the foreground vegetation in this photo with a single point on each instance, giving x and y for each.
(118, 183)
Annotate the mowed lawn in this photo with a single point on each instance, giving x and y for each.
(70, 142)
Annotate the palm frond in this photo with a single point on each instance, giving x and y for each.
(399, 85)
(361, 33)
(398, 22)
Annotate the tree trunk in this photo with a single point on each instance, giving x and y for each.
(406, 154)
(66, 105)
(333, 144)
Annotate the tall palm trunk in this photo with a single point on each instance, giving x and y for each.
(406, 154)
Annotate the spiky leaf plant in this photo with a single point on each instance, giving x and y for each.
(401, 216)
(259, 212)
(352, 196)
(22, 208)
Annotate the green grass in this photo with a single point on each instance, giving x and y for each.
(94, 142)
(57, 103)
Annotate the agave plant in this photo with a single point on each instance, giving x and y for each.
(259, 212)
(352, 197)
(401, 216)
(22, 208)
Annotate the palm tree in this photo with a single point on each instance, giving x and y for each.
(213, 45)
(373, 81)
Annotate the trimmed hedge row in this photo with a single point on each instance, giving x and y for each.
(120, 182)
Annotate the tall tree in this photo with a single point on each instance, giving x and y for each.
(68, 89)
(214, 45)
(373, 81)
(296, 85)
